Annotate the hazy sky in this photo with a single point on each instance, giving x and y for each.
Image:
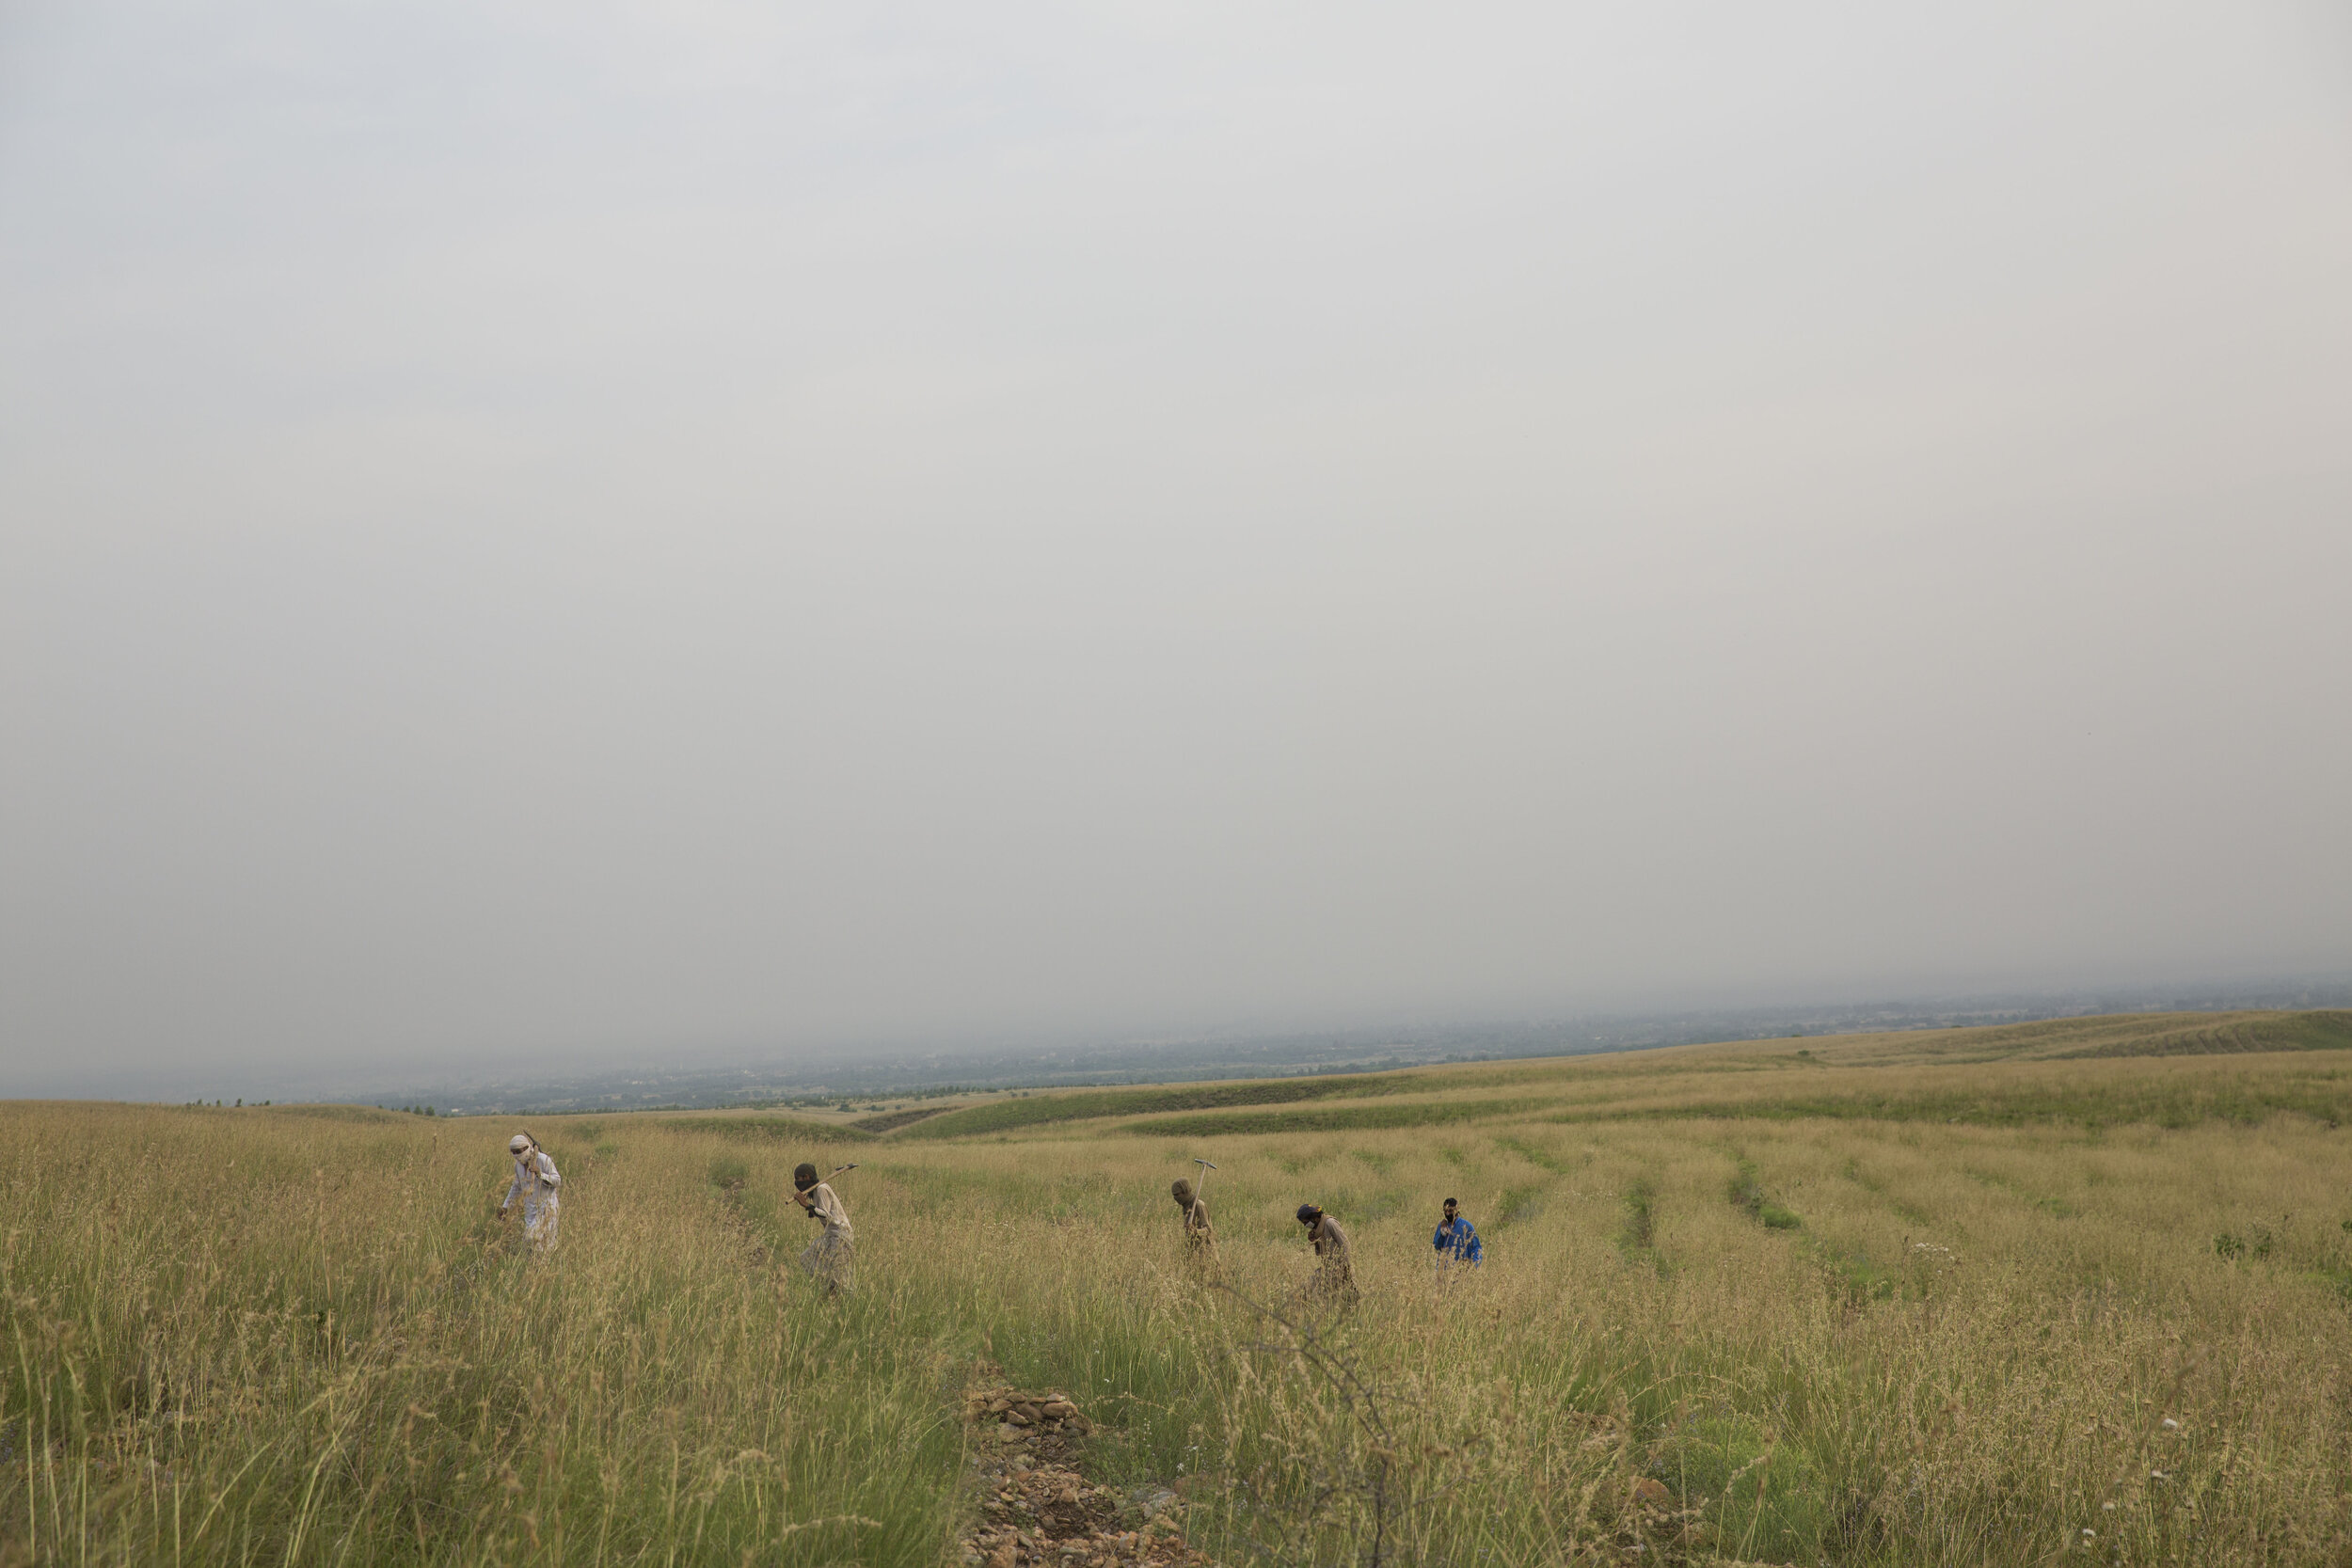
(623, 528)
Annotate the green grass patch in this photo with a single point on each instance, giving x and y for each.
(1764, 1499)
(1379, 1206)
(1518, 1205)
(1336, 1119)
(1855, 1279)
(2058, 1209)
(2326, 1030)
(1747, 1195)
(999, 1116)
(2256, 1245)
(2335, 1276)
(1853, 1172)
(2179, 1104)
(890, 1121)
(771, 1129)
(330, 1113)
(1542, 1158)
(1637, 1236)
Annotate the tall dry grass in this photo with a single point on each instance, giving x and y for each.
(287, 1339)
(250, 1336)
(1966, 1352)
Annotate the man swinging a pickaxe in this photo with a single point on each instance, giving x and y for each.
(1200, 1236)
(832, 1259)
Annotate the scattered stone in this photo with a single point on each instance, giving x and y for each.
(1029, 1474)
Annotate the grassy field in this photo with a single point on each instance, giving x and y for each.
(2075, 1293)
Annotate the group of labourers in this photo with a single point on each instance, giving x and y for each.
(1455, 1241)
(830, 1259)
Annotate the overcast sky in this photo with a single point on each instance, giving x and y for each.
(627, 530)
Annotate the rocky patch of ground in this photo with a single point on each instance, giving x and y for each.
(1035, 1505)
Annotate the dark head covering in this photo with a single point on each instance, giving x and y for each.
(803, 1175)
(1309, 1213)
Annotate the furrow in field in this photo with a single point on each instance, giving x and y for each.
(1004, 1116)
(1336, 1118)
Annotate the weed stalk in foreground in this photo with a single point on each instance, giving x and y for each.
(1350, 1463)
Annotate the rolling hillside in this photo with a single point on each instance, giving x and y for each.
(2071, 1293)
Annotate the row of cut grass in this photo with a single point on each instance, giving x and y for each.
(2245, 1101)
(1004, 1116)
(1425, 1112)
(2102, 1036)
(2321, 1030)
(798, 1130)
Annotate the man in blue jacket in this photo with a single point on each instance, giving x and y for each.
(1457, 1240)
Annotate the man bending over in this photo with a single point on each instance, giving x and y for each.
(831, 1257)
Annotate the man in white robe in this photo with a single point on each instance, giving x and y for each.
(540, 1188)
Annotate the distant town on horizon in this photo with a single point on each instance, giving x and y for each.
(700, 1085)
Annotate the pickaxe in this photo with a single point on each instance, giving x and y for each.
(1202, 1185)
(809, 1203)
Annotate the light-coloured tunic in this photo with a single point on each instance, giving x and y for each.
(541, 1187)
(831, 1259)
(1335, 1276)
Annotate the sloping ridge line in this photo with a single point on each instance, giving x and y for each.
(771, 1129)
(1002, 1116)
(2215, 1035)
